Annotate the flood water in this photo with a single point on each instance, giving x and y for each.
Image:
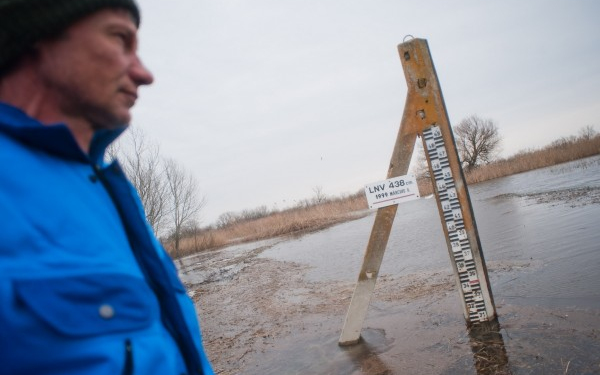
(540, 235)
(548, 219)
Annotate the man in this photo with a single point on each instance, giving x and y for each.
(85, 288)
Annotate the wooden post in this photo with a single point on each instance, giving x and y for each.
(425, 115)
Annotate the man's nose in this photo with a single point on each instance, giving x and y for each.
(139, 73)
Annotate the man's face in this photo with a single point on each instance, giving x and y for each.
(92, 71)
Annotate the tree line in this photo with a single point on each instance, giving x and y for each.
(172, 201)
(478, 142)
(168, 192)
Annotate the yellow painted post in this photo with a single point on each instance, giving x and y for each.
(425, 115)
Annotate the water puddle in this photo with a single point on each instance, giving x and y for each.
(323, 355)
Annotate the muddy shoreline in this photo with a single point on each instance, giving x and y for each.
(261, 316)
(278, 306)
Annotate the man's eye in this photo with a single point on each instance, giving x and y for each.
(125, 39)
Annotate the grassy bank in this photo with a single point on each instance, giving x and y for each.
(561, 151)
(307, 216)
(322, 212)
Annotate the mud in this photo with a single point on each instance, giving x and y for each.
(278, 306)
(574, 197)
(266, 318)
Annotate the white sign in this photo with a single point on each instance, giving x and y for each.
(392, 191)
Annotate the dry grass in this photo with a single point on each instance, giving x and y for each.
(300, 219)
(310, 216)
(561, 151)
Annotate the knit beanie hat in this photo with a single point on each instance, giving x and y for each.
(24, 22)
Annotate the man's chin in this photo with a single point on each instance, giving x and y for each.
(112, 122)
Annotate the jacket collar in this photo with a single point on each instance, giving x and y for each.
(55, 139)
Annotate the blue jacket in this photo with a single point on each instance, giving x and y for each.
(85, 287)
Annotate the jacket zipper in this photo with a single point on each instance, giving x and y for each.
(128, 366)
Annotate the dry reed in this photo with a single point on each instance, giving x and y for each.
(559, 152)
(296, 220)
(309, 216)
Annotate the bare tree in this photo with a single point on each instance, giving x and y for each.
(141, 163)
(477, 140)
(253, 213)
(226, 219)
(587, 132)
(185, 201)
(147, 175)
(169, 194)
(319, 196)
(112, 152)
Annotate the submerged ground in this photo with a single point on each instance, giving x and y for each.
(278, 306)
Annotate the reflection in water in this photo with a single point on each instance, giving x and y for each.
(544, 256)
(322, 355)
(488, 349)
(364, 353)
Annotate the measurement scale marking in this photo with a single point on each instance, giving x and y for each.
(452, 213)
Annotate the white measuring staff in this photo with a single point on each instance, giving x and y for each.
(461, 249)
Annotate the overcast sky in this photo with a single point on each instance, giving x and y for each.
(264, 100)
